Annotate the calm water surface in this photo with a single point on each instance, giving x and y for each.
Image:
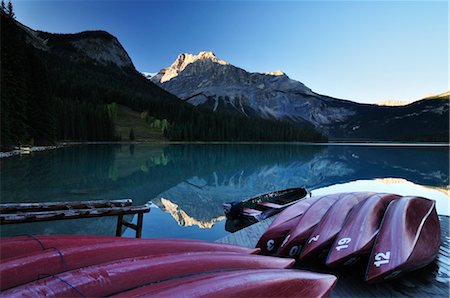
(187, 183)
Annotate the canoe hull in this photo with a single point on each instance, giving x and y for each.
(30, 267)
(409, 239)
(272, 238)
(331, 224)
(358, 233)
(297, 237)
(114, 277)
(245, 283)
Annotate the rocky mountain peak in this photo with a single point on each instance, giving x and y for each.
(182, 61)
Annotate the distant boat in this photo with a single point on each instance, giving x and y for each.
(264, 206)
(408, 239)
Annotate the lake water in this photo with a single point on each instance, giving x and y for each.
(187, 183)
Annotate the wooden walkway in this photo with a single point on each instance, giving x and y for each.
(431, 281)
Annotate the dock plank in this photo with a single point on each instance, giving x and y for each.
(431, 281)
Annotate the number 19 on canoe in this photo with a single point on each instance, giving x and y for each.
(343, 243)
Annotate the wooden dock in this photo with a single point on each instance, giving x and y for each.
(431, 281)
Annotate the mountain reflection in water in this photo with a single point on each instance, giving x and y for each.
(189, 182)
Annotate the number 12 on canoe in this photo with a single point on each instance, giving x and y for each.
(382, 258)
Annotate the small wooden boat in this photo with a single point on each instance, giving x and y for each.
(297, 237)
(330, 225)
(409, 239)
(264, 206)
(30, 267)
(115, 277)
(242, 283)
(357, 236)
(272, 238)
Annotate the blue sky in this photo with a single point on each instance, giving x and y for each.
(366, 51)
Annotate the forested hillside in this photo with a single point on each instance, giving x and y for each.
(54, 87)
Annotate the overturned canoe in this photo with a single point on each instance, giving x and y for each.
(243, 283)
(357, 236)
(297, 237)
(263, 206)
(330, 225)
(30, 267)
(114, 277)
(21, 245)
(409, 238)
(272, 238)
(25, 245)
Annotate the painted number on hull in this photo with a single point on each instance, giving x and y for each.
(315, 238)
(343, 243)
(270, 245)
(382, 258)
(294, 250)
(285, 240)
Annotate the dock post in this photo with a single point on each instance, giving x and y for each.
(119, 226)
(140, 220)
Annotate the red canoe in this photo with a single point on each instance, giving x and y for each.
(24, 245)
(242, 283)
(358, 234)
(30, 267)
(272, 238)
(115, 277)
(294, 241)
(409, 239)
(330, 225)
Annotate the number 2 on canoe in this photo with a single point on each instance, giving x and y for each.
(382, 258)
(315, 238)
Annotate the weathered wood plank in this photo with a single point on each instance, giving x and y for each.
(51, 206)
(431, 281)
(71, 214)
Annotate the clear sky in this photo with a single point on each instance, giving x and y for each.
(365, 51)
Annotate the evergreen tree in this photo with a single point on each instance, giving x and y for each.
(9, 10)
(3, 7)
(132, 137)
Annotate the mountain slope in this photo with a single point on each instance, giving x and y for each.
(206, 81)
(60, 86)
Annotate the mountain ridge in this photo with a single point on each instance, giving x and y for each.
(222, 86)
(63, 87)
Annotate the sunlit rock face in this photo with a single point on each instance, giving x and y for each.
(182, 217)
(205, 80)
(392, 103)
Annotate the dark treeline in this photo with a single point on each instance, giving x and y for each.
(47, 97)
(31, 113)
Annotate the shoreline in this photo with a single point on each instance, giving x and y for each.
(28, 150)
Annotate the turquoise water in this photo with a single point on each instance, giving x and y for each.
(187, 183)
